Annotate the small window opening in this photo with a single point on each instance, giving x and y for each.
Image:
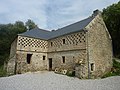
(63, 41)
(43, 57)
(51, 43)
(29, 58)
(63, 59)
(92, 66)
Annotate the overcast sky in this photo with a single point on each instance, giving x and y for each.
(49, 14)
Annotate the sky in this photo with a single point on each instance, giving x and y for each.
(49, 14)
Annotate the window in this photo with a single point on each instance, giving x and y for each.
(43, 57)
(92, 66)
(63, 59)
(63, 41)
(51, 43)
(29, 58)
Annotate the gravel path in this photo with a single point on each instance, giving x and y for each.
(51, 81)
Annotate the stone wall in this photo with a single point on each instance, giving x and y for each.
(74, 51)
(72, 42)
(99, 47)
(18, 55)
(73, 48)
(36, 62)
(31, 44)
(13, 48)
(12, 58)
(71, 58)
(74, 60)
(37, 48)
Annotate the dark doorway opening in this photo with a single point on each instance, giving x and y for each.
(63, 59)
(50, 64)
(29, 58)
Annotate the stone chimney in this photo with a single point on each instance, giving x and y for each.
(53, 30)
(96, 12)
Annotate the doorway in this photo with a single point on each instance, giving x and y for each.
(50, 64)
(29, 58)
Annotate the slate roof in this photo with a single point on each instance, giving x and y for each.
(44, 34)
(37, 33)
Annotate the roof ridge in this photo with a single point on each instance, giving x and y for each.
(74, 23)
(41, 29)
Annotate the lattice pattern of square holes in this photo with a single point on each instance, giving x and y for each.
(77, 38)
(69, 39)
(31, 42)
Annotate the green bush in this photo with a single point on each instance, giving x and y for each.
(115, 71)
(116, 64)
(71, 73)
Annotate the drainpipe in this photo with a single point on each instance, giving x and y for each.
(87, 53)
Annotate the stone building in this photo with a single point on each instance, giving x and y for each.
(84, 47)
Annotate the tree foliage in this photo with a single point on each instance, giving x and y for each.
(8, 33)
(30, 24)
(111, 16)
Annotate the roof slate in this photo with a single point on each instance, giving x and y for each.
(44, 34)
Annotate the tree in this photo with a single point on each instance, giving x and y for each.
(8, 32)
(111, 16)
(30, 24)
